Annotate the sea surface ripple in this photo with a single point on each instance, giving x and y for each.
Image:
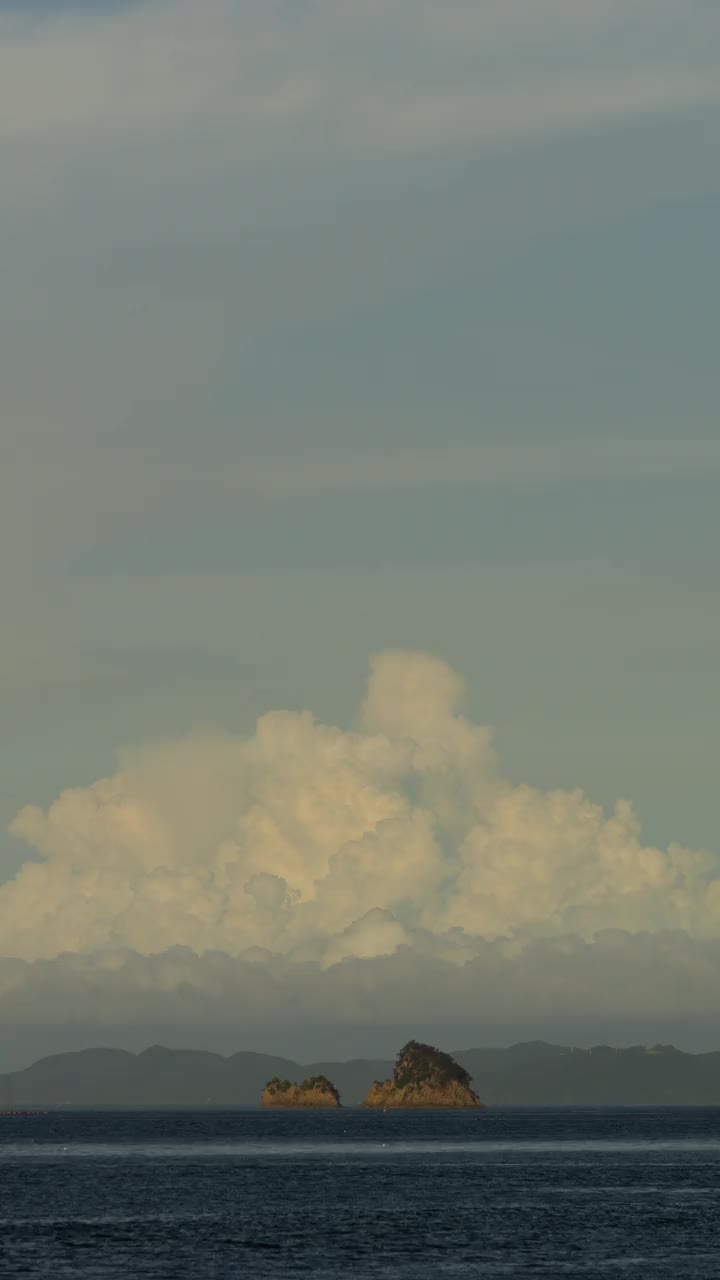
(499, 1193)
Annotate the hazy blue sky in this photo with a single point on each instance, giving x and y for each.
(328, 326)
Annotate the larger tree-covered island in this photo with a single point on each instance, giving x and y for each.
(316, 1091)
(424, 1077)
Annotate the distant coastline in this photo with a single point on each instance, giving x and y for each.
(530, 1074)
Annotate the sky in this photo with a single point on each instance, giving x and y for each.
(358, 522)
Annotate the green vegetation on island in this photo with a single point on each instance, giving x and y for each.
(424, 1077)
(315, 1091)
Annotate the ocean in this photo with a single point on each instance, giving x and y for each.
(497, 1193)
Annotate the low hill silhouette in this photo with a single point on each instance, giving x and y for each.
(534, 1074)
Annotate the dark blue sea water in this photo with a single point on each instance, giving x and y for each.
(506, 1192)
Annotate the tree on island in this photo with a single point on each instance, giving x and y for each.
(322, 1084)
(276, 1085)
(422, 1064)
(424, 1077)
(315, 1091)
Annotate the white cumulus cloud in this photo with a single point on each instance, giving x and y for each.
(317, 844)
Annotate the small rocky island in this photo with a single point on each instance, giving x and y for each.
(424, 1077)
(316, 1091)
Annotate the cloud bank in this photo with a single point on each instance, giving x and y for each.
(563, 986)
(309, 876)
(317, 844)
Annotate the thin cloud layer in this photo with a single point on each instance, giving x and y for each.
(316, 844)
(394, 76)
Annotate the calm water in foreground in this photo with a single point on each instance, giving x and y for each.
(505, 1192)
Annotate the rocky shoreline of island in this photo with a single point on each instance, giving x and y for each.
(423, 1076)
(315, 1091)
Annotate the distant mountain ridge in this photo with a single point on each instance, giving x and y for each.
(529, 1074)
